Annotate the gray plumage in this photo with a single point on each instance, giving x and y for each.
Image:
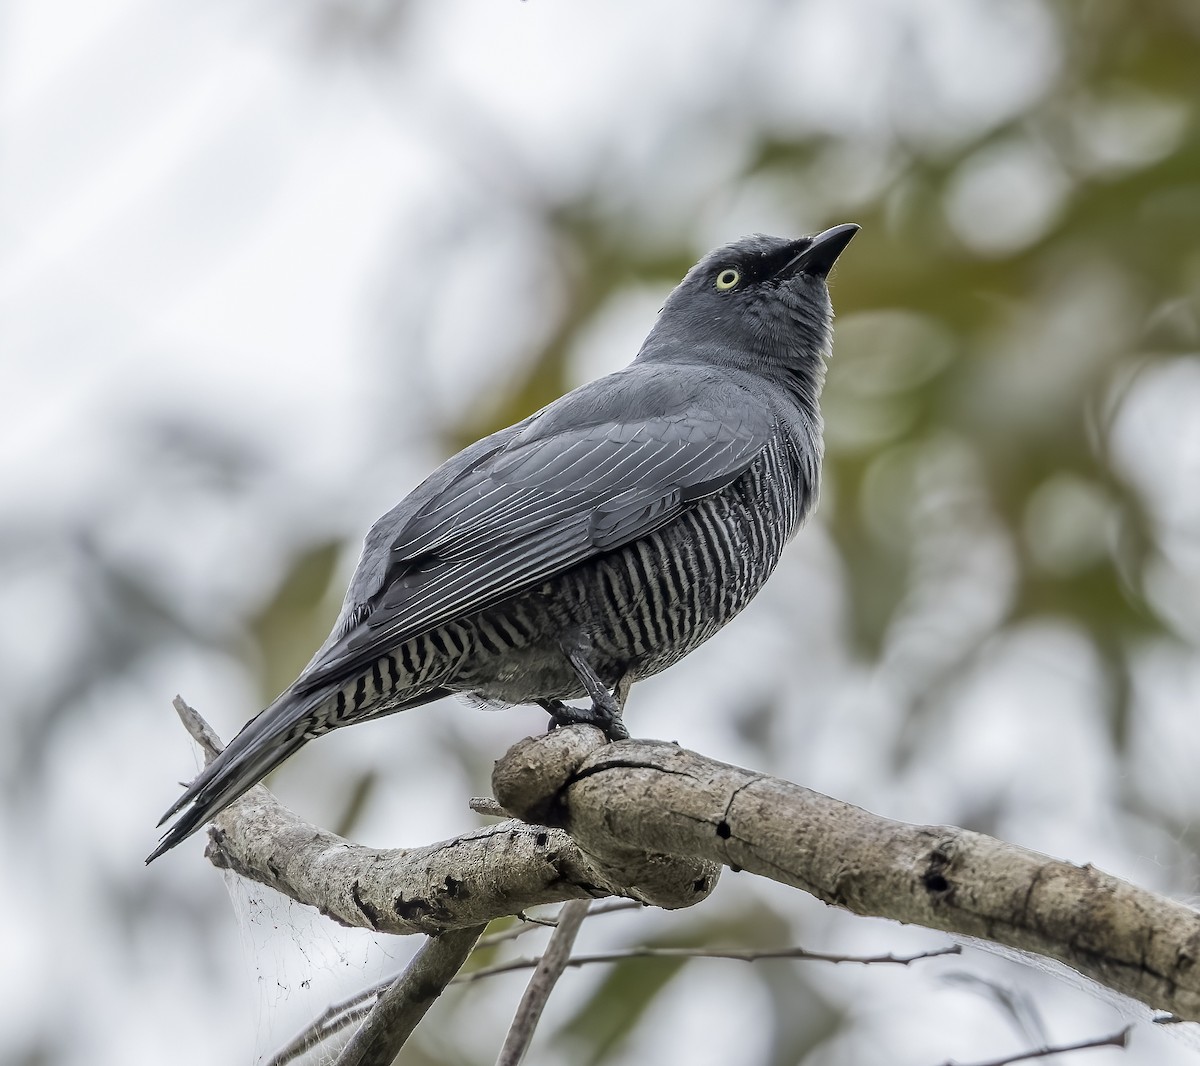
(593, 544)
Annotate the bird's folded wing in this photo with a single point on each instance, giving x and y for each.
(531, 511)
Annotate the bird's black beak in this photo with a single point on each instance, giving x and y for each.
(819, 255)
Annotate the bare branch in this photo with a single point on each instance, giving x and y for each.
(397, 997)
(709, 953)
(614, 906)
(341, 1015)
(489, 873)
(198, 729)
(1120, 1040)
(399, 1009)
(653, 822)
(536, 921)
(533, 919)
(506, 935)
(332, 1021)
(658, 797)
(548, 970)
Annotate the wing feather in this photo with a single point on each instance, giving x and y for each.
(533, 510)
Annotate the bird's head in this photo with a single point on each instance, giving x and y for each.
(759, 303)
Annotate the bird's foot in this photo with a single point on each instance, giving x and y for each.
(605, 715)
(605, 712)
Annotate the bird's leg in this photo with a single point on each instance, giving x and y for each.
(606, 706)
(621, 691)
(605, 711)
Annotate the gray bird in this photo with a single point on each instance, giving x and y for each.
(591, 545)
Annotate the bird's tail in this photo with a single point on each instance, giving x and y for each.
(263, 743)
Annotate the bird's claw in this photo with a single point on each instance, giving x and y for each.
(607, 719)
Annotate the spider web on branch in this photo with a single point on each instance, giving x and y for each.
(298, 963)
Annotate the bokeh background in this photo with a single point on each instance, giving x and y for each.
(263, 265)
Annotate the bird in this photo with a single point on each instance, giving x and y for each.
(591, 545)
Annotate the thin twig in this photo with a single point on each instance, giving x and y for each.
(403, 1004)
(529, 923)
(545, 923)
(1120, 1040)
(611, 906)
(329, 1024)
(339, 1016)
(505, 935)
(331, 1021)
(549, 969)
(710, 953)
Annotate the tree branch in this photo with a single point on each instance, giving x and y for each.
(331, 1021)
(488, 873)
(398, 1010)
(353, 1009)
(658, 797)
(652, 821)
(748, 955)
(548, 969)
(1120, 1039)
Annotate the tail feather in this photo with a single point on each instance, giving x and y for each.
(274, 735)
(262, 744)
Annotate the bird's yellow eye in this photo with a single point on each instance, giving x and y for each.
(728, 278)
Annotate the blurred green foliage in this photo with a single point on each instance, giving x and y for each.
(800, 1017)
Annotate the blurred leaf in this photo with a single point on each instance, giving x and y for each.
(361, 790)
(1014, 1003)
(628, 990)
(804, 1018)
(294, 622)
(612, 1012)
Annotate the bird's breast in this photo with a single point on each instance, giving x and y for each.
(646, 604)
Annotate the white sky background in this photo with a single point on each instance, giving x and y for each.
(203, 217)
